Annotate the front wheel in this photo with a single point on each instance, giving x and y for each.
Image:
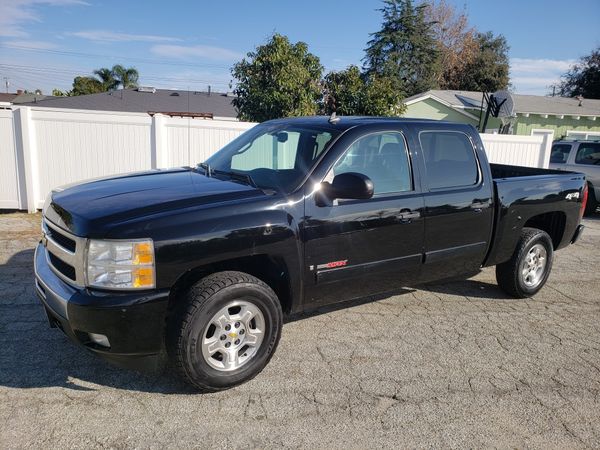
(224, 331)
(528, 270)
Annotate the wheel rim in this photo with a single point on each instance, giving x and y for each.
(233, 335)
(534, 265)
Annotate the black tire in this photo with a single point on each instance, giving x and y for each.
(191, 318)
(509, 275)
(592, 202)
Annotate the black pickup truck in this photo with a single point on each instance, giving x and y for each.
(202, 263)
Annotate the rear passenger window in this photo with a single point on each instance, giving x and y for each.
(560, 153)
(588, 154)
(449, 159)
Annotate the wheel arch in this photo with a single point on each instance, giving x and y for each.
(272, 270)
(553, 223)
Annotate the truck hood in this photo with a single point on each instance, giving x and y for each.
(86, 208)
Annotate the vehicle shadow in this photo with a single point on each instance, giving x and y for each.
(33, 355)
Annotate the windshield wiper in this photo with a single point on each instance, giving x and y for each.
(244, 177)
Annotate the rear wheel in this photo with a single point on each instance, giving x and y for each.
(528, 270)
(225, 331)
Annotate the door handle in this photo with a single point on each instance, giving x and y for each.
(478, 205)
(409, 215)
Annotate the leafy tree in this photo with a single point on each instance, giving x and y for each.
(348, 92)
(278, 79)
(107, 79)
(58, 93)
(455, 39)
(344, 91)
(488, 69)
(127, 77)
(582, 78)
(86, 85)
(404, 48)
(383, 97)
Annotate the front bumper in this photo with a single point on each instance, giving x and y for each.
(134, 323)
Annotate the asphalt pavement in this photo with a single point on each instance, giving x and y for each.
(455, 364)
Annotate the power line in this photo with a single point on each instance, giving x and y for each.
(68, 75)
(126, 58)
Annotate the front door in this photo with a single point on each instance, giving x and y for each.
(355, 248)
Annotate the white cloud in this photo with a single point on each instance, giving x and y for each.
(111, 36)
(37, 45)
(535, 76)
(196, 51)
(16, 13)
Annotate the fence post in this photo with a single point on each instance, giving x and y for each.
(26, 157)
(160, 157)
(547, 149)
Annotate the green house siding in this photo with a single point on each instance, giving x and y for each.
(560, 126)
(431, 109)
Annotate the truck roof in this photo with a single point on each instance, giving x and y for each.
(346, 122)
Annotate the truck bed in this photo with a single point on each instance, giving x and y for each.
(502, 171)
(523, 193)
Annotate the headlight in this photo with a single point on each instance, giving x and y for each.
(120, 264)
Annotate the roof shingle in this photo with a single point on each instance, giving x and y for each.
(534, 104)
(162, 100)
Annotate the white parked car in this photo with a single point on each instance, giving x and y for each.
(580, 156)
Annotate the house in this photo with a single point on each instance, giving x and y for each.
(150, 100)
(579, 118)
(19, 97)
(6, 100)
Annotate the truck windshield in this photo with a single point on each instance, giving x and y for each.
(275, 156)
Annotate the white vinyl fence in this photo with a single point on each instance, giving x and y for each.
(42, 148)
(530, 151)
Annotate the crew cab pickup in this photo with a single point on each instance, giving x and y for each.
(202, 263)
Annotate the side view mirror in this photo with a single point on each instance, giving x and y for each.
(349, 185)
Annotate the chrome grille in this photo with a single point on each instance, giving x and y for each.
(64, 253)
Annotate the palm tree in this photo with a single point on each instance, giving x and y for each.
(107, 79)
(126, 77)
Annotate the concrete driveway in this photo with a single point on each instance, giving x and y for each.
(456, 365)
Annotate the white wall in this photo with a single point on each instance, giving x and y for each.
(43, 148)
(529, 151)
(9, 173)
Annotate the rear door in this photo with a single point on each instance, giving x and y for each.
(458, 203)
(586, 159)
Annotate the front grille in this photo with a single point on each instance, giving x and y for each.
(61, 239)
(66, 269)
(65, 252)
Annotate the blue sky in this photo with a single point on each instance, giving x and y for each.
(45, 43)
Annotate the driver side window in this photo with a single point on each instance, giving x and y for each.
(382, 157)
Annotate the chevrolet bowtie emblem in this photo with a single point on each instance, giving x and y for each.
(232, 335)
